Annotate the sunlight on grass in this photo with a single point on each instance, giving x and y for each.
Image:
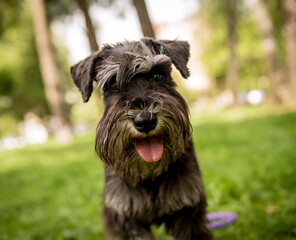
(234, 115)
(247, 157)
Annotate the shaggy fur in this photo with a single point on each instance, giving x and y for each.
(135, 80)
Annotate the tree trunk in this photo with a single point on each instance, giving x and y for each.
(265, 26)
(89, 26)
(232, 73)
(49, 72)
(289, 34)
(143, 15)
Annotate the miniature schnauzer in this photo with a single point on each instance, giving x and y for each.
(144, 139)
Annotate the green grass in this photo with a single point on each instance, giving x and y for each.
(248, 160)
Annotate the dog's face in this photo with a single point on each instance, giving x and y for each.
(145, 125)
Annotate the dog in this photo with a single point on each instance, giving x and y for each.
(144, 140)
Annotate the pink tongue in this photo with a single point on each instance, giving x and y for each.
(150, 149)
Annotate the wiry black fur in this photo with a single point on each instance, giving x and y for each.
(139, 193)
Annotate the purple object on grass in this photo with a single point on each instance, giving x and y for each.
(220, 219)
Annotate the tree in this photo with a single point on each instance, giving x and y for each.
(289, 35)
(221, 19)
(265, 26)
(61, 8)
(143, 15)
(89, 25)
(232, 72)
(49, 72)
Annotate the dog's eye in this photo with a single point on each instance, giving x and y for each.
(112, 84)
(158, 77)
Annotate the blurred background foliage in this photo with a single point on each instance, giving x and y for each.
(215, 55)
(22, 89)
(249, 50)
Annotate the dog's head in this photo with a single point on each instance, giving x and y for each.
(145, 124)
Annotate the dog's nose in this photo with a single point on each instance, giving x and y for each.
(145, 121)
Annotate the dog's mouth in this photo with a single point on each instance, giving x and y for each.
(150, 148)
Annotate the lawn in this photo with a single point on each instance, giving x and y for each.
(248, 160)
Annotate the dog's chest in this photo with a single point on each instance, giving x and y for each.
(161, 199)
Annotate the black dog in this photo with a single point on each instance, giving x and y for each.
(144, 140)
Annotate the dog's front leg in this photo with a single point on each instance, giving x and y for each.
(188, 224)
(137, 231)
(120, 227)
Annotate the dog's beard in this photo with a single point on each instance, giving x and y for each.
(116, 141)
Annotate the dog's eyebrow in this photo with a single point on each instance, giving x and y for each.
(162, 61)
(142, 65)
(106, 72)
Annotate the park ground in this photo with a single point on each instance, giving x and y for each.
(247, 156)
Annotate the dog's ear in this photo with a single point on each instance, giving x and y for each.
(176, 50)
(84, 73)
